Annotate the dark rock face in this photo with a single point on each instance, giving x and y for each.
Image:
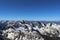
(38, 23)
(50, 38)
(3, 38)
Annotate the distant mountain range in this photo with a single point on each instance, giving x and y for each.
(29, 30)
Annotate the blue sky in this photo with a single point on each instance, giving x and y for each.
(29, 9)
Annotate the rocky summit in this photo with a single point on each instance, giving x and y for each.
(29, 30)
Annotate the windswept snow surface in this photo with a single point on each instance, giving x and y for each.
(29, 30)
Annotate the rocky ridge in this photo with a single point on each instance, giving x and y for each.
(29, 30)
